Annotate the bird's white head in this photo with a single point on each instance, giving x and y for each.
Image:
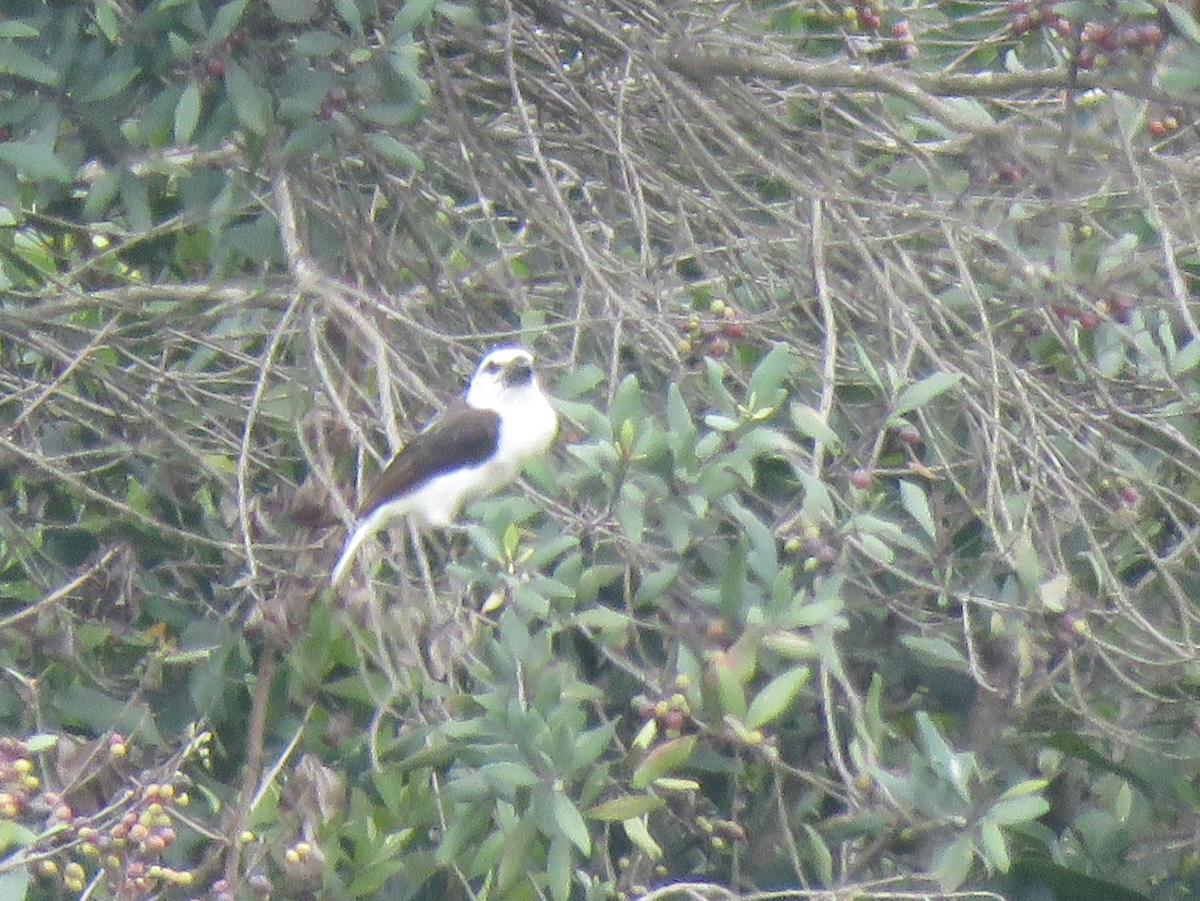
(505, 381)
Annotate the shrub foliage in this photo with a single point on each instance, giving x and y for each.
(866, 558)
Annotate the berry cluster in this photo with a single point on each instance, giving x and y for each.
(18, 783)
(214, 66)
(123, 843)
(1097, 40)
(1023, 18)
(711, 338)
(903, 36)
(866, 13)
(1118, 309)
(335, 101)
(819, 552)
(670, 714)
(1160, 126)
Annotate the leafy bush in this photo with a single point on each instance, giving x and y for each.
(865, 559)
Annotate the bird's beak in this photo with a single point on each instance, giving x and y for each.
(519, 372)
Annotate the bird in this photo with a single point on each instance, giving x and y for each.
(479, 444)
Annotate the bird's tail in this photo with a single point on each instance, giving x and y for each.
(354, 541)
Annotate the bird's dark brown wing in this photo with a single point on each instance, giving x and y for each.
(462, 436)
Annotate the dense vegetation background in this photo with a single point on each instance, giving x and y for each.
(866, 560)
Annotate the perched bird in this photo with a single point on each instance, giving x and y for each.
(480, 443)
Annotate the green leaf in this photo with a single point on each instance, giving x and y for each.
(228, 18)
(1053, 592)
(15, 883)
(294, 11)
(1076, 746)
(877, 549)
(570, 821)
(818, 503)
(918, 395)
(626, 403)
(821, 854)
(1040, 875)
(110, 85)
(631, 512)
(558, 868)
(187, 113)
(655, 583)
(396, 152)
(41, 741)
(663, 759)
(36, 162)
(1186, 359)
(953, 863)
(721, 423)
(971, 113)
(411, 15)
(251, 104)
(1182, 19)
(12, 28)
(579, 381)
(1023, 809)
(508, 775)
(348, 10)
(811, 424)
(591, 744)
(731, 692)
(993, 846)
(776, 697)
(937, 651)
(625, 807)
(13, 834)
(594, 578)
(635, 828)
(136, 200)
(19, 62)
(957, 768)
(917, 504)
(733, 580)
(768, 376)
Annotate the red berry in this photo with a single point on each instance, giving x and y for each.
(1016, 7)
(734, 330)
(717, 347)
(1062, 26)
(869, 20)
(215, 67)
(1021, 24)
(1152, 35)
(1010, 173)
(674, 720)
(861, 478)
(1088, 319)
(909, 435)
(900, 31)
(1130, 495)
(1157, 127)
(1121, 306)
